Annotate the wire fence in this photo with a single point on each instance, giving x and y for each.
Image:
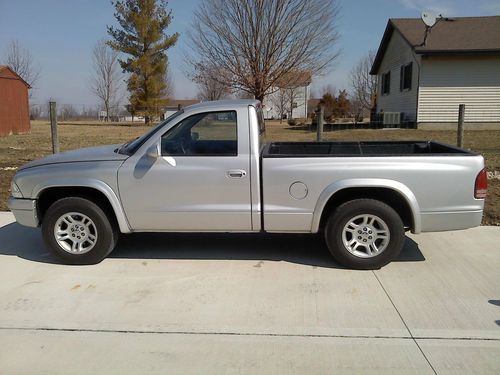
(88, 112)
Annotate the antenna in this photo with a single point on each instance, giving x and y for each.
(429, 18)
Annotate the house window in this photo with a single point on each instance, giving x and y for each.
(405, 77)
(386, 83)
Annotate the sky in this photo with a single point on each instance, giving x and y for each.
(60, 34)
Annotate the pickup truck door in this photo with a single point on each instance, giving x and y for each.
(200, 182)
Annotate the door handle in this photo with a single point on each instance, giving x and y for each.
(236, 173)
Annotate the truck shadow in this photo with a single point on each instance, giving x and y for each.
(311, 250)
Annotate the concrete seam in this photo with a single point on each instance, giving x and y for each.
(53, 329)
(406, 325)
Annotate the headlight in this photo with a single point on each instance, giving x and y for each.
(14, 190)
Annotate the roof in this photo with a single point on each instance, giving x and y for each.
(461, 35)
(14, 75)
(223, 104)
(294, 79)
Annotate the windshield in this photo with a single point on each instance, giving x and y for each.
(131, 147)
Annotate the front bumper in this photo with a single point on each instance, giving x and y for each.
(24, 211)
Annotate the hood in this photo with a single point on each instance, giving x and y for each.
(101, 153)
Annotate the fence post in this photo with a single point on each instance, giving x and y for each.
(53, 127)
(319, 130)
(460, 130)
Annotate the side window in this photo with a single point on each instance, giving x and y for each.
(386, 83)
(203, 134)
(405, 77)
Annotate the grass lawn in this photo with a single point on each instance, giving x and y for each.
(16, 150)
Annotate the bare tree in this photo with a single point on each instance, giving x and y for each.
(280, 99)
(256, 42)
(356, 110)
(326, 89)
(292, 97)
(106, 76)
(68, 112)
(35, 111)
(168, 92)
(364, 85)
(21, 61)
(211, 82)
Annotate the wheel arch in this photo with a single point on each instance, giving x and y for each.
(94, 190)
(393, 193)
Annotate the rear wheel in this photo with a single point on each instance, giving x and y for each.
(77, 231)
(364, 234)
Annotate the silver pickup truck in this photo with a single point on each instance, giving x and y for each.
(205, 169)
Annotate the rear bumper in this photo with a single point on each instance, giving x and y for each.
(24, 211)
(443, 221)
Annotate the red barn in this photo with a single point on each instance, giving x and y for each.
(14, 105)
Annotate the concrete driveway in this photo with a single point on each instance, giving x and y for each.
(223, 304)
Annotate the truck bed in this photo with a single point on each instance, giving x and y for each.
(352, 149)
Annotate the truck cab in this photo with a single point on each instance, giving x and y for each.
(199, 174)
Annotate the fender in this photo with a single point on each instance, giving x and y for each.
(337, 186)
(89, 183)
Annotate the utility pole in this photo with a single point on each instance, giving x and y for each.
(319, 130)
(460, 130)
(53, 127)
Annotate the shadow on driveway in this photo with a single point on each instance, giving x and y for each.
(304, 249)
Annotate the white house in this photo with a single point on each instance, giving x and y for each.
(290, 96)
(458, 64)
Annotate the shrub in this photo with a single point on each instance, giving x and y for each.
(301, 121)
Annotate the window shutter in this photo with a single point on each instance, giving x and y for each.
(410, 75)
(401, 77)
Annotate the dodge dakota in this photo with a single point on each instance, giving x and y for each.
(206, 169)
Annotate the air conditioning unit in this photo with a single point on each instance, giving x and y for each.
(392, 118)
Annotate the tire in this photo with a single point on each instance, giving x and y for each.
(86, 233)
(355, 246)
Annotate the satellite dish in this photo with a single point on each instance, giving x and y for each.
(429, 18)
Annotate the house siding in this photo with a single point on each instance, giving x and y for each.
(302, 94)
(446, 82)
(397, 54)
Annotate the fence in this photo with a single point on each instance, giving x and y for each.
(86, 112)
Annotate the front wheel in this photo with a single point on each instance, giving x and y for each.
(77, 231)
(364, 234)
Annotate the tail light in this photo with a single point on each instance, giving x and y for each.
(481, 185)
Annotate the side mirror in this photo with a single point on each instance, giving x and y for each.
(153, 152)
(195, 136)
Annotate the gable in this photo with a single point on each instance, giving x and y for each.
(390, 34)
(8, 73)
(397, 52)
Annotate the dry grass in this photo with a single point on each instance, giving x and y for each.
(16, 150)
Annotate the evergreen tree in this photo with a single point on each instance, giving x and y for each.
(328, 101)
(335, 106)
(343, 105)
(142, 37)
